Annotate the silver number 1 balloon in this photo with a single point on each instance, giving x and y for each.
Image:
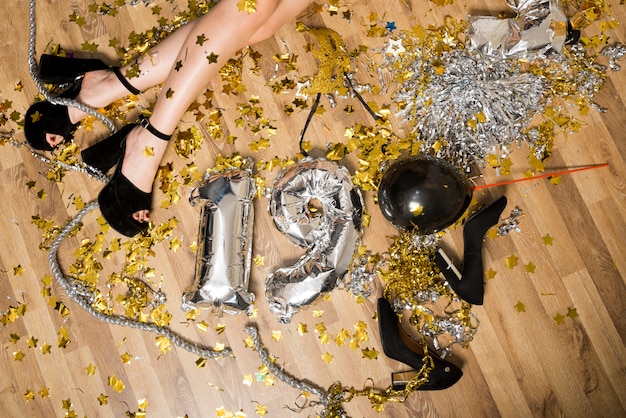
(222, 270)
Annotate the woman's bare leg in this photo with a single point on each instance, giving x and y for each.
(101, 88)
(212, 41)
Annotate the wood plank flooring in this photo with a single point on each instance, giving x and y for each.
(550, 341)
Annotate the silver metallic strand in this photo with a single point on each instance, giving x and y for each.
(83, 297)
(330, 400)
(614, 52)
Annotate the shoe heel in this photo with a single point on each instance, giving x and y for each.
(470, 286)
(58, 70)
(105, 154)
(399, 346)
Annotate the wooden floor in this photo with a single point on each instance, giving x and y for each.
(550, 342)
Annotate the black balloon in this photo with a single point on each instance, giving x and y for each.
(423, 193)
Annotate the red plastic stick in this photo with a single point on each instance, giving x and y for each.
(558, 173)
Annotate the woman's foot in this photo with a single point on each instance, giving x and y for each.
(143, 155)
(95, 92)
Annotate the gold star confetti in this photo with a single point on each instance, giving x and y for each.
(572, 313)
(116, 384)
(317, 313)
(126, 358)
(18, 355)
(163, 343)
(18, 270)
(169, 93)
(91, 370)
(202, 326)
(103, 399)
(148, 151)
(201, 362)
(46, 349)
(520, 306)
(530, 267)
(261, 410)
(29, 395)
(302, 329)
(559, 319)
(491, 273)
(547, 240)
(248, 379)
(327, 357)
(32, 342)
(277, 335)
(220, 328)
(511, 261)
(212, 58)
(249, 342)
(201, 39)
(44, 392)
(64, 338)
(259, 260)
(370, 354)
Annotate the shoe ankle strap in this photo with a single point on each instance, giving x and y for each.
(145, 123)
(125, 83)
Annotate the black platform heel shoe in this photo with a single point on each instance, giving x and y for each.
(399, 346)
(103, 155)
(120, 198)
(469, 283)
(44, 117)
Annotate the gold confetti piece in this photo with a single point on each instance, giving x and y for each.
(18, 355)
(66, 404)
(64, 339)
(163, 343)
(572, 313)
(148, 152)
(511, 261)
(559, 319)
(219, 347)
(116, 384)
(143, 404)
(29, 395)
(530, 267)
(277, 335)
(44, 392)
(126, 358)
(18, 270)
(302, 329)
(547, 240)
(317, 313)
(259, 260)
(491, 273)
(370, 354)
(91, 370)
(327, 357)
(261, 410)
(341, 338)
(249, 342)
(220, 328)
(201, 362)
(212, 58)
(520, 307)
(202, 326)
(248, 379)
(14, 338)
(46, 349)
(32, 342)
(215, 387)
(103, 399)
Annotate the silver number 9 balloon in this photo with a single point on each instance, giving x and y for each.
(316, 205)
(222, 270)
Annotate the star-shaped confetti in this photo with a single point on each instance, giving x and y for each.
(390, 26)
(520, 306)
(547, 239)
(511, 261)
(530, 267)
(559, 319)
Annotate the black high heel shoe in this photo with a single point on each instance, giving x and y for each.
(103, 155)
(469, 283)
(399, 346)
(44, 117)
(120, 198)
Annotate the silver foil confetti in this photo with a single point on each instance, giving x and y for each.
(316, 205)
(614, 52)
(477, 106)
(224, 251)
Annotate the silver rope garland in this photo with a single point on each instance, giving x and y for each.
(77, 292)
(331, 401)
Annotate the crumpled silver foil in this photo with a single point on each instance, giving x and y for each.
(316, 205)
(539, 30)
(614, 52)
(224, 252)
(489, 91)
